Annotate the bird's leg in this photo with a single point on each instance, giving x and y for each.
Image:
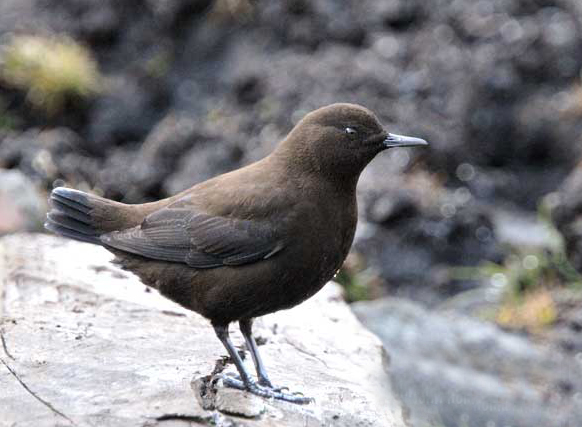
(224, 337)
(246, 327)
(247, 382)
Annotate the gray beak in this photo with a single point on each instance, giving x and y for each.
(394, 140)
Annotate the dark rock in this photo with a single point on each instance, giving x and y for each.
(160, 153)
(411, 231)
(95, 23)
(313, 23)
(461, 371)
(171, 13)
(126, 112)
(201, 164)
(388, 209)
(116, 177)
(566, 333)
(249, 90)
(42, 155)
(486, 84)
(567, 214)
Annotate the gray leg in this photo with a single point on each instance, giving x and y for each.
(224, 337)
(246, 327)
(247, 382)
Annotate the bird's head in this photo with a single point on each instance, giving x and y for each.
(340, 140)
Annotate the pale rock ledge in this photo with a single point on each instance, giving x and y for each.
(84, 344)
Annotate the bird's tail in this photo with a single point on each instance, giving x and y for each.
(77, 215)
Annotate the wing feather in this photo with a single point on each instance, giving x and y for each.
(198, 239)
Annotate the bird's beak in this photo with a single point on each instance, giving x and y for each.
(393, 140)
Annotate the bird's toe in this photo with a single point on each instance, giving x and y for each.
(233, 381)
(265, 382)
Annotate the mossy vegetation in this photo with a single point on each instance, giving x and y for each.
(359, 281)
(8, 120)
(532, 311)
(527, 278)
(52, 70)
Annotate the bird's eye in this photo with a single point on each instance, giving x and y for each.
(350, 131)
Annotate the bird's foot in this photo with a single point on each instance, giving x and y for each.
(265, 382)
(234, 381)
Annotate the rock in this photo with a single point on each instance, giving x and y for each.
(49, 156)
(162, 150)
(567, 214)
(414, 229)
(229, 401)
(203, 163)
(523, 229)
(126, 112)
(182, 151)
(566, 331)
(493, 85)
(22, 206)
(84, 343)
(172, 12)
(454, 370)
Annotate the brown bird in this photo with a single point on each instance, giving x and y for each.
(250, 242)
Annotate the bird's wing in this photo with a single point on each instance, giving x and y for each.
(197, 239)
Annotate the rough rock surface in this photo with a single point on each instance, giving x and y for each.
(568, 216)
(22, 206)
(84, 343)
(411, 227)
(453, 370)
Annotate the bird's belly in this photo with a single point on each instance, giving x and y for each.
(306, 277)
(319, 259)
(228, 294)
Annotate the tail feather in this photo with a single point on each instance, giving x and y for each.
(70, 215)
(75, 198)
(71, 234)
(70, 203)
(58, 206)
(85, 217)
(64, 220)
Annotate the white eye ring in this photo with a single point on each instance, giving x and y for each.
(350, 131)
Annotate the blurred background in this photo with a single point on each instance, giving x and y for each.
(468, 254)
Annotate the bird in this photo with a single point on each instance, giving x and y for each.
(249, 242)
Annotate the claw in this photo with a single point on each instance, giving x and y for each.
(266, 383)
(262, 391)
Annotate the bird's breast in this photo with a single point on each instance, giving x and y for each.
(321, 243)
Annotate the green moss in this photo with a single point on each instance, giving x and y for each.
(526, 269)
(159, 64)
(526, 278)
(8, 120)
(360, 281)
(50, 70)
(355, 288)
